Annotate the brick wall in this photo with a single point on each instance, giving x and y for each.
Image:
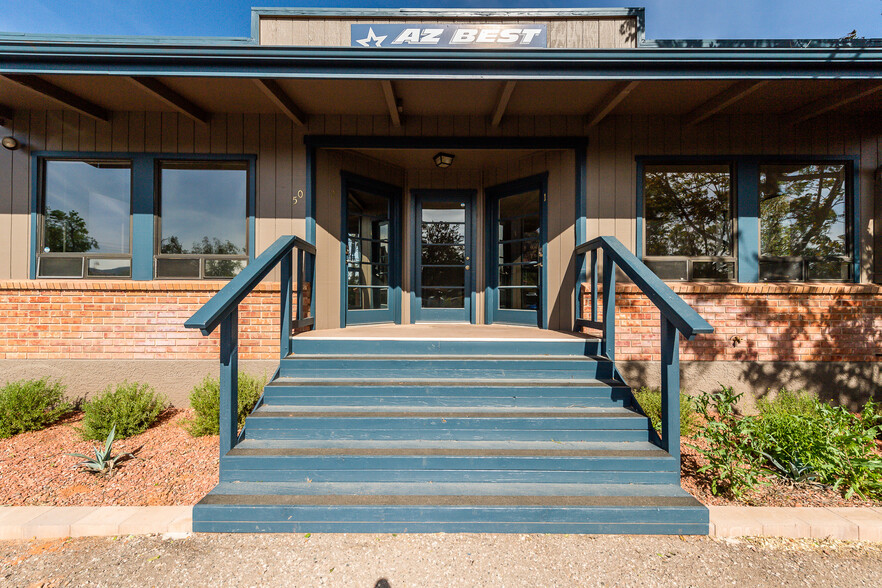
(759, 322)
(126, 320)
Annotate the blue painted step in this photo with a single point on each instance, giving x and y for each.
(447, 392)
(556, 367)
(461, 507)
(466, 347)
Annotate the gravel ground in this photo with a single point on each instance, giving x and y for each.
(170, 467)
(382, 561)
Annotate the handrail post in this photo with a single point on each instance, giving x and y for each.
(670, 387)
(286, 299)
(594, 285)
(608, 346)
(229, 381)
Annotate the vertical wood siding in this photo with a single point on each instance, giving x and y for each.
(586, 33)
(281, 171)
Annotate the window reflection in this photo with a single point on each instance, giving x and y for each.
(367, 251)
(204, 208)
(86, 206)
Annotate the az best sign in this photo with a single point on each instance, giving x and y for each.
(465, 36)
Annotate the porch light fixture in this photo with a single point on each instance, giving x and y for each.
(442, 159)
(12, 143)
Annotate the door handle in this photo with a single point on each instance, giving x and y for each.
(468, 267)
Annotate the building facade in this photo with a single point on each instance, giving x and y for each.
(141, 174)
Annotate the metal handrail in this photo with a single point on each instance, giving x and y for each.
(676, 317)
(223, 310)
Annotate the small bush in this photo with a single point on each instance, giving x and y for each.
(734, 458)
(650, 402)
(798, 433)
(130, 406)
(205, 400)
(30, 405)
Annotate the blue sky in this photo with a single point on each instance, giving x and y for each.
(666, 19)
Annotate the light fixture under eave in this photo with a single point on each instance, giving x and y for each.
(442, 159)
(10, 143)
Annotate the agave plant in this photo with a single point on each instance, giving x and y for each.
(104, 461)
(792, 469)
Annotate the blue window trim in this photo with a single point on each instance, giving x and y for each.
(144, 192)
(393, 314)
(746, 189)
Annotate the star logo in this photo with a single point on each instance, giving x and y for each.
(371, 37)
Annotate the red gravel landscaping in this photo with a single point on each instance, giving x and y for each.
(170, 467)
(173, 468)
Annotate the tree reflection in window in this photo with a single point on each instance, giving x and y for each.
(803, 210)
(66, 232)
(688, 210)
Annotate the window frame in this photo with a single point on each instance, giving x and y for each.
(642, 163)
(39, 219)
(850, 223)
(201, 257)
(142, 211)
(747, 201)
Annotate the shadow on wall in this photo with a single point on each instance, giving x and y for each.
(828, 344)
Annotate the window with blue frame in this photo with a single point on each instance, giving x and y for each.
(202, 219)
(786, 218)
(142, 215)
(804, 210)
(689, 231)
(85, 219)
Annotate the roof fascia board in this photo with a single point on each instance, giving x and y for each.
(316, 62)
(132, 40)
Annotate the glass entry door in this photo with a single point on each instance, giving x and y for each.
(372, 264)
(516, 232)
(443, 274)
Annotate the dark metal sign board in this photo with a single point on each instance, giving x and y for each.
(460, 36)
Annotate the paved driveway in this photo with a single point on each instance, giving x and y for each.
(438, 560)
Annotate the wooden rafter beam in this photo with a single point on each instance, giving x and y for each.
(832, 101)
(60, 95)
(610, 100)
(391, 102)
(502, 103)
(172, 98)
(731, 95)
(6, 113)
(282, 100)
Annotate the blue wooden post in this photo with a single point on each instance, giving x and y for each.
(608, 346)
(594, 285)
(286, 299)
(229, 381)
(300, 268)
(670, 387)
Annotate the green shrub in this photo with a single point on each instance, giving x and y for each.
(130, 406)
(30, 405)
(205, 400)
(798, 433)
(734, 458)
(650, 402)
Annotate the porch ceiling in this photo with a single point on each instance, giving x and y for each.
(493, 99)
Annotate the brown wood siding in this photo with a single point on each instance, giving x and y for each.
(585, 33)
(281, 171)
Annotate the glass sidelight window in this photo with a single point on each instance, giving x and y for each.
(519, 248)
(203, 219)
(689, 221)
(85, 220)
(803, 222)
(368, 262)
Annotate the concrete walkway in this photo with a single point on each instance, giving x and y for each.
(48, 522)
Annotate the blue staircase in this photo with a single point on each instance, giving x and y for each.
(520, 436)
